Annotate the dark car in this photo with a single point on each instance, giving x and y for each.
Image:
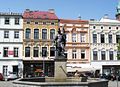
(1, 77)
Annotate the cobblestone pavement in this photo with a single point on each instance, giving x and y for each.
(114, 84)
(9, 84)
(6, 84)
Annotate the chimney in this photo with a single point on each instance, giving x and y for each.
(79, 17)
(106, 16)
(27, 10)
(51, 11)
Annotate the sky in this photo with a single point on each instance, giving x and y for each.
(67, 9)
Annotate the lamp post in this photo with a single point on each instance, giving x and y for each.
(43, 65)
(44, 54)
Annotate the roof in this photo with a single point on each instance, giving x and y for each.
(10, 14)
(69, 21)
(108, 20)
(39, 15)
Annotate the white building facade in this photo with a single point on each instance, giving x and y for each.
(104, 36)
(11, 34)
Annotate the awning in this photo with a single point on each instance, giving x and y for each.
(73, 69)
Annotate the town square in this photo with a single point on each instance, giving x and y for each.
(60, 43)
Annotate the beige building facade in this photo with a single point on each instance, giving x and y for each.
(77, 46)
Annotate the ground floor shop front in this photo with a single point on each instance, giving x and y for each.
(8, 67)
(38, 68)
(107, 67)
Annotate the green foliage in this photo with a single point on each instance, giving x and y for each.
(118, 50)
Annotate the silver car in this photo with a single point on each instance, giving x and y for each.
(11, 76)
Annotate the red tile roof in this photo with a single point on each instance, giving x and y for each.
(73, 21)
(39, 15)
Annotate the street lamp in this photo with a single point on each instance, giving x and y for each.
(44, 54)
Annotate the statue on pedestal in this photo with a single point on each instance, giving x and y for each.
(60, 42)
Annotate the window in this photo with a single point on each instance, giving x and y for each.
(103, 55)
(110, 38)
(82, 54)
(67, 37)
(101, 27)
(6, 34)
(73, 37)
(117, 28)
(36, 22)
(95, 55)
(109, 27)
(117, 38)
(27, 34)
(102, 38)
(94, 38)
(15, 52)
(5, 52)
(44, 23)
(16, 34)
(44, 33)
(52, 33)
(27, 51)
(65, 53)
(36, 33)
(5, 70)
(44, 51)
(52, 23)
(28, 22)
(7, 20)
(94, 27)
(111, 55)
(17, 21)
(52, 51)
(82, 37)
(118, 55)
(74, 54)
(35, 52)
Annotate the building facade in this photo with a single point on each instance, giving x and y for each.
(77, 46)
(104, 37)
(40, 28)
(11, 31)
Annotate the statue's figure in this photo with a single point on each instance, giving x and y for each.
(60, 42)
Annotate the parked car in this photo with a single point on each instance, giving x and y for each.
(11, 76)
(1, 77)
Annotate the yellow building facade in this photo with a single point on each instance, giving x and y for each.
(40, 28)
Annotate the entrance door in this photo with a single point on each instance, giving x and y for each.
(15, 69)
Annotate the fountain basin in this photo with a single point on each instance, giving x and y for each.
(50, 82)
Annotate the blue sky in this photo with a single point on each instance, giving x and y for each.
(68, 9)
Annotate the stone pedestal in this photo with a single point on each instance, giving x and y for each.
(60, 69)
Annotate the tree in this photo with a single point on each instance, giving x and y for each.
(118, 50)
